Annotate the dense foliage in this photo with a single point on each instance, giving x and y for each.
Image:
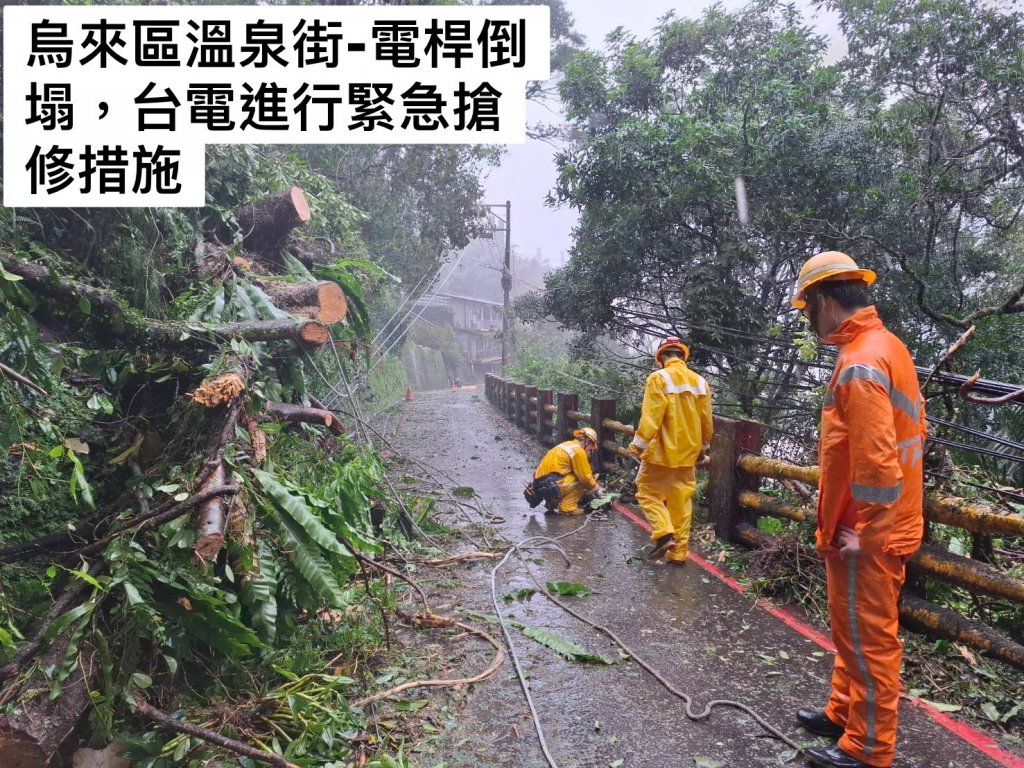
(904, 152)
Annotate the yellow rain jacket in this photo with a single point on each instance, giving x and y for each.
(872, 439)
(676, 420)
(568, 459)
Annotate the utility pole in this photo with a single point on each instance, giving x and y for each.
(506, 272)
(506, 281)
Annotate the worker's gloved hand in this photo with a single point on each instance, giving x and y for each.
(704, 460)
(635, 450)
(600, 491)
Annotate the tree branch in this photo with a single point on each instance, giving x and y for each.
(146, 709)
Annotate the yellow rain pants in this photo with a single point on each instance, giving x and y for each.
(665, 495)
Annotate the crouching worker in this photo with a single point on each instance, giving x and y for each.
(674, 434)
(564, 475)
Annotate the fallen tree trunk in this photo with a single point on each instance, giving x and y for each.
(321, 300)
(32, 734)
(212, 518)
(298, 414)
(935, 620)
(68, 599)
(108, 313)
(266, 224)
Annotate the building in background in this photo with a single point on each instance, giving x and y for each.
(476, 324)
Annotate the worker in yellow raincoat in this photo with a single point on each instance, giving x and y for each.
(674, 433)
(870, 508)
(564, 475)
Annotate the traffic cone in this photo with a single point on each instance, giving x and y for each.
(408, 393)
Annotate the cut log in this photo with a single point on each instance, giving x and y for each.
(298, 414)
(212, 518)
(321, 300)
(265, 224)
(221, 389)
(32, 734)
(258, 438)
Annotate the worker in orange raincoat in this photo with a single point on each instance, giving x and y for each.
(564, 475)
(674, 433)
(870, 518)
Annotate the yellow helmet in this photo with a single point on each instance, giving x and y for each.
(587, 432)
(672, 342)
(830, 265)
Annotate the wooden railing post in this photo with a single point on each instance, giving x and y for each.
(732, 438)
(563, 428)
(529, 422)
(519, 415)
(510, 403)
(544, 397)
(601, 409)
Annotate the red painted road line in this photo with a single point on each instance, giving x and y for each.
(978, 739)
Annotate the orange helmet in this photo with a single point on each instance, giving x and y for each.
(830, 265)
(672, 342)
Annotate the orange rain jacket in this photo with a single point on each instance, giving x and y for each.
(672, 430)
(872, 441)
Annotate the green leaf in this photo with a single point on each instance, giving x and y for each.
(65, 619)
(293, 505)
(942, 706)
(141, 680)
(564, 648)
(518, 594)
(134, 598)
(182, 749)
(86, 577)
(259, 592)
(84, 306)
(991, 711)
(569, 589)
(306, 557)
(706, 762)
(70, 660)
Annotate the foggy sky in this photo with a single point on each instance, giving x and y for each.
(527, 172)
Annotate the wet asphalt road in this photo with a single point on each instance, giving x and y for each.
(705, 638)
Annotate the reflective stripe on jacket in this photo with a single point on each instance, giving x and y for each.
(676, 418)
(872, 441)
(568, 458)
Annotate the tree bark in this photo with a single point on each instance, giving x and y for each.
(33, 733)
(922, 616)
(300, 414)
(265, 224)
(321, 300)
(212, 517)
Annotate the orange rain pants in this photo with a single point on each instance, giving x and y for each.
(665, 495)
(863, 603)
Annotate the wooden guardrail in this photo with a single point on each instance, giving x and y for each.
(735, 502)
